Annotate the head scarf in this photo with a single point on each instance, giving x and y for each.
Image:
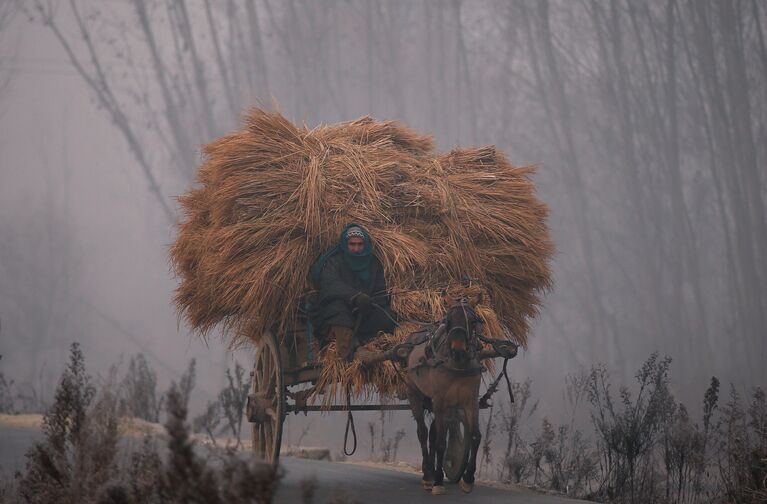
(359, 263)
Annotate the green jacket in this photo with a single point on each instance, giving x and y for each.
(337, 287)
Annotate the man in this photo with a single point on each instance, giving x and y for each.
(350, 280)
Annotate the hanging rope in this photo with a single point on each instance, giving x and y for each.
(484, 400)
(349, 423)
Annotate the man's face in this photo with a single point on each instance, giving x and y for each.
(356, 244)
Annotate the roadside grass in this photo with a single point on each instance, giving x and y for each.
(637, 445)
(79, 460)
(644, 445)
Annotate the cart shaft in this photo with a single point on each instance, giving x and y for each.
(351, 407)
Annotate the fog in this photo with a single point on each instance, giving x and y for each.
(647, 120)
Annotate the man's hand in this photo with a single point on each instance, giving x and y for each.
(362, 301)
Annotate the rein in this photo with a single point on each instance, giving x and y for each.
(505, 349)
(484, 401)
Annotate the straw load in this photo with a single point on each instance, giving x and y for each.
(273, 196)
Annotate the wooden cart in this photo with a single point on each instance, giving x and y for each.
(280, 364)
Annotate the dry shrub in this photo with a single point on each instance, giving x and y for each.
(740, 447)
(81, 458)
(273, 196)
(77, 458)
(7, 394)
(139, 397)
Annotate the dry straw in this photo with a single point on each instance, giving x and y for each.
(273, 196)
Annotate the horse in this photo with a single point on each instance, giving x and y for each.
(443, 374)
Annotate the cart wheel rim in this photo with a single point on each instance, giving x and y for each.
(457, 448)
(268, 383)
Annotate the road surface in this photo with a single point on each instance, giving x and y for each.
(372, 485)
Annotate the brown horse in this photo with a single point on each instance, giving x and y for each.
(443, 374)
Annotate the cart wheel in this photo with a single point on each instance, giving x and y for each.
(457, 447)
(266, 401)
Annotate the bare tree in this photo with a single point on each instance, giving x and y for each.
(8, 10)
(648, 119)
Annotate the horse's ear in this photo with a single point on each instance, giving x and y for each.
(445, 298)
(477, 300)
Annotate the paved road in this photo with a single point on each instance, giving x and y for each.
(352, 483)
(14, 443)
(371, 485)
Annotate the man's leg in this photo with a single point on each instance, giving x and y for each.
(376, 321)
(344, 338)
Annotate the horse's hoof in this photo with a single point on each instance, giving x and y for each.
(438, 490)
(466, 487)
(427, 485)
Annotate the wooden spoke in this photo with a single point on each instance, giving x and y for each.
(267, 387)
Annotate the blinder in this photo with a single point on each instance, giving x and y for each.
(471, 318)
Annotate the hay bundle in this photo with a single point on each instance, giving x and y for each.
(273, 196)
(381, 380)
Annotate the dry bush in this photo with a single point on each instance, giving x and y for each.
(79, 461)
(557, 457)
(233, 399)
(648, 447)
(77, 458)
(209, 421)
(16, 399)
(651, 450)
(7, 395)
(138, 391)
(391, 445)
(683, 448)
(740, 448)
(516, 462)
(229, 406)
(185, 475)
(568, 461)
(563, 460)
(485, 454)
(628, 430)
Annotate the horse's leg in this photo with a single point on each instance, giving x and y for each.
(472, 425)
(427, 463)
(440, 438)
(432, 444)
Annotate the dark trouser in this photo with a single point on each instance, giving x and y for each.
(373, 321)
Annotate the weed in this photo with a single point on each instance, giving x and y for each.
(139, 391)
(76, 460)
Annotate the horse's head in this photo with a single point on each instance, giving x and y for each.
(460, 322)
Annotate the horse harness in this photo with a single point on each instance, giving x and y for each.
(436, 336)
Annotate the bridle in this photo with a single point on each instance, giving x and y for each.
(472, 319)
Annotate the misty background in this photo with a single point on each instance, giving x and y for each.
(647, 121)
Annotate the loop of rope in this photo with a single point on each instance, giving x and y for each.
(349, 423)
